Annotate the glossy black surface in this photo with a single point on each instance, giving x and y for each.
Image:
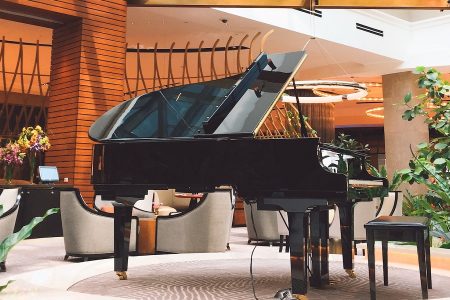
(256, 168)
(234, 105)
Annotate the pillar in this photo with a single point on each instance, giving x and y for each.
(86, 76)
(401, 135)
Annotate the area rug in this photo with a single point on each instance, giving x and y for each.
(230, 279)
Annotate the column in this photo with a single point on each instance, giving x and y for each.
(400, 134)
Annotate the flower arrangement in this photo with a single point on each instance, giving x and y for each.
(33, 141)
(11, 155)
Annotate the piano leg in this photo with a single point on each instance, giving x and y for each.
(122, 230)
(319, 247)
(298, 253)
(345, 213)
(314, 217)
(324, 235)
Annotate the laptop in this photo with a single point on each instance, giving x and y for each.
(48, 174)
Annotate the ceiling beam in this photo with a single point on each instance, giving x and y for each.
(221, 3)
(336, 4)
(393, 4)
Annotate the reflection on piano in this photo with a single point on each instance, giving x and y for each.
(197, 137)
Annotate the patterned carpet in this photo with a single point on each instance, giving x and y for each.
(230, 279)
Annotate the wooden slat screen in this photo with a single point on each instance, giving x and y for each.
(87, 73)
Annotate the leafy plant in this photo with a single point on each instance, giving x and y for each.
(346, 142)
(382, 173)
(431, 165)
(2, 287)
(10, 241)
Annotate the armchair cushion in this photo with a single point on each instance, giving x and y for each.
(88, 232)
(203, 229)
(9, 198)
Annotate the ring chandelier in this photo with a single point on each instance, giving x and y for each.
(326, 91)
(376, 112)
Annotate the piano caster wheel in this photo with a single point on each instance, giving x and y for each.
(122, 275)
(299, 297)
(351, 273)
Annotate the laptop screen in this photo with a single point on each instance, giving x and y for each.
(48, 174)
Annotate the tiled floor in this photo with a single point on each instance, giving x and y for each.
(40, 273)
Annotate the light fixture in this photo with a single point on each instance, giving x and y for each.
(375, 112)
(323, 91)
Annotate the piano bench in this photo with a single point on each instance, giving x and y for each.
(403, 229)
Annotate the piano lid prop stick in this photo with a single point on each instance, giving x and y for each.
(300, 114)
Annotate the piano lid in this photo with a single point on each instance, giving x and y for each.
(235, 105)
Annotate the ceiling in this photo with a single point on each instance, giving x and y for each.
(415, 15)
(326, 60)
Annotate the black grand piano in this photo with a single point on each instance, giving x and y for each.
(197, 137)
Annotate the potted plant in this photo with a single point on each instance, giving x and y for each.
(10, 241)
(430, 166)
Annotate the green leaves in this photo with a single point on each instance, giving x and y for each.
(2, 287)
(9, 242)
(440, 161)
(407, 98)
(431, 165)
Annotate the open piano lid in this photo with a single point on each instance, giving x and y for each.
(232, 106)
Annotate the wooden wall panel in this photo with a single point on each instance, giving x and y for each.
(87, 72)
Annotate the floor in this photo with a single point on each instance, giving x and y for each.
(39, 271)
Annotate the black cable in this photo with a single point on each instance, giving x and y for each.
(253, 251)
(300, 114)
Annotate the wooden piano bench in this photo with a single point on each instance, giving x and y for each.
(404, 229)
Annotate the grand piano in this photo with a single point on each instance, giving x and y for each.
(197, 137)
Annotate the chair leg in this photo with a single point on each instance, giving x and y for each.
(428, 259)
(420, 239)
(371, 261)
(286, 249)
(2, 266)
(280, 248)
(384, 247)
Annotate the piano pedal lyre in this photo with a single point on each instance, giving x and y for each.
(122, 275)
(351, 273)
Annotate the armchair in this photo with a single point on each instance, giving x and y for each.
(89, 233)
(206, 228)
(265, 223)
(9, 198)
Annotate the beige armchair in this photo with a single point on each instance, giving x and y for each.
(265, 223)
(206, 228)
(9, 199)
(89, 233)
